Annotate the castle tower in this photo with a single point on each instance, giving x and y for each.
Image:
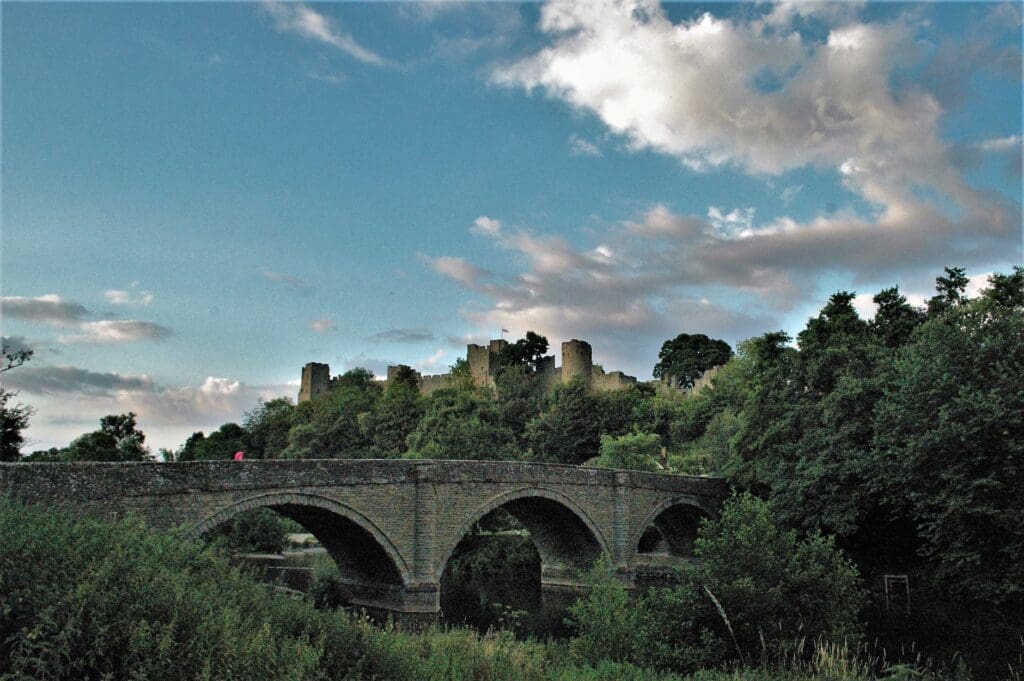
(577, 360)
(316, 381)
(478, 357)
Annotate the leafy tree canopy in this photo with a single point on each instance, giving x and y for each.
(687, 356)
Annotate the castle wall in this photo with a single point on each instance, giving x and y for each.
(479, 358)
(615, 380)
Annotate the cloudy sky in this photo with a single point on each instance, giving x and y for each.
(200, 198)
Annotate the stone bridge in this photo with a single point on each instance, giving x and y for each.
(392, 525)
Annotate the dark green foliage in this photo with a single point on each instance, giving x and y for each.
(117, 440)
(637, 452)
(392, 421)
(220, 444)
(88, 600)
(566, 430)
(895, 319)
(13, 421)
(332, 426)
(949, 443)
(260, 530)
(687, 356)
(266, 428)
(462, 424)
(753, 590)
(525, 352)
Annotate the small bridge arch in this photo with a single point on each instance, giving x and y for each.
(676, 520)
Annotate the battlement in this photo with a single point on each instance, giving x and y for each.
(577, 361)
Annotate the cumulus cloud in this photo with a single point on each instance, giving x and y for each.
(402, 336)
(131, 297)
(736, 222)
(117, 331)
(485, 226)
(324, 326)
(304, 21)
(693, 90)
(49, 308)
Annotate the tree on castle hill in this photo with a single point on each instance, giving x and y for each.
(524, 352)
(395, 417)
(567, 430)
(687, 356)
(220, 444)
(331, 425)
(266, 428)
(462, 424)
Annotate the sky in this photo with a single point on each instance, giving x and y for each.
(198, 199)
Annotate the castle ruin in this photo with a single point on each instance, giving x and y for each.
(577, 360)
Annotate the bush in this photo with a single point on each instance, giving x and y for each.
(637, 452)
(753, 592)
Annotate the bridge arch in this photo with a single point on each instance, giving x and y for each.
(675, 521)
(362, 551)
(566, 538)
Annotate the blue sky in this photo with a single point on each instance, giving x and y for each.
(200, 198)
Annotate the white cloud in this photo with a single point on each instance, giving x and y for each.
(431, 363)
(117, 331)
(580, 146)
(132, 298)
(690, 90)
(1001, 144)
(324, 326)
(297, 18)
(485, 226)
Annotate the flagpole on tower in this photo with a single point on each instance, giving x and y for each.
(503, 332)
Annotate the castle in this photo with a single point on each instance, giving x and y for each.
(577, 360)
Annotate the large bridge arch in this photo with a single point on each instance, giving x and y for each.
(361, 550)
(566, 537)
(676, 521)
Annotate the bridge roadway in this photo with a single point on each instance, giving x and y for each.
(392, 525)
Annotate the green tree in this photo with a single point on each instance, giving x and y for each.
(951, 291)
(267, 427)
(189, 451)
(566, 430)
(687, 356)
(949, 438)
(331, 426)
(462, 424)
(13, 417)
(895, 319)
(117, 440)
(638, 452)
(525, 352)
(395, 418)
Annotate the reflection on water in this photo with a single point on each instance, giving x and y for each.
(491, 582)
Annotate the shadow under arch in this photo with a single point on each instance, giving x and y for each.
(566, 538)
(363, 553)
(675, 522)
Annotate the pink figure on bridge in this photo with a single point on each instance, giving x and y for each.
(239, 456)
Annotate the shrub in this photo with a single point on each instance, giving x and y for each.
(638, 452)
